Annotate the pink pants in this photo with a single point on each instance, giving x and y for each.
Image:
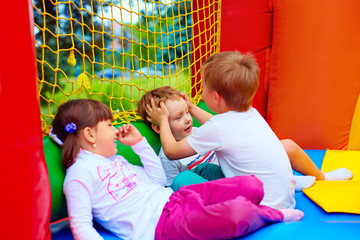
(220, 209)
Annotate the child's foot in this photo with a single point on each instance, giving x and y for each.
(303, 182)
(338, 174)
(292, 215)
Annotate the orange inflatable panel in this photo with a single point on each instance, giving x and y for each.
(315, 71)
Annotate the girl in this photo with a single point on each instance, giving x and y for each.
(131, 201)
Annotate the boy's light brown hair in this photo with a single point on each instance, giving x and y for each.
(160, 94)
(234, 76)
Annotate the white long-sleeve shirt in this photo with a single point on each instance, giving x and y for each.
(125, 199)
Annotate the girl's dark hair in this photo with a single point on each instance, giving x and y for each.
(83, 113)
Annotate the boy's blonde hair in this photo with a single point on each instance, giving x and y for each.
(160, 94)
(234, 76)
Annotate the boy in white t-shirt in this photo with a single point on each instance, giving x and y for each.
(181, 126)
(242, 140)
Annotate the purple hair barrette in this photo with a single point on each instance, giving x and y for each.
(70, 127)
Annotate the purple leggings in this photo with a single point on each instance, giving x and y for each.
(220, 209)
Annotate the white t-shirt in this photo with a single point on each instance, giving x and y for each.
(125, 199)
(173, 167)
(245, 145)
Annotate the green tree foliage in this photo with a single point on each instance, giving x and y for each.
(165, 32)
(54, 29)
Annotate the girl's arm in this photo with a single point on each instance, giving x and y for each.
(79, 210)
(130, 135)
(152, 164)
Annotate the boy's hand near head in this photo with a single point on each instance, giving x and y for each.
(160, 116)
(129, 135)
(157, 115)
(187, 100)
(199, 114)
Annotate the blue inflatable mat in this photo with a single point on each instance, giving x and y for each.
(316, 224)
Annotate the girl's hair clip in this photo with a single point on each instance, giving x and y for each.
(70, 127)
(54, 137)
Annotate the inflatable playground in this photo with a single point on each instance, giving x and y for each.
(309, 55)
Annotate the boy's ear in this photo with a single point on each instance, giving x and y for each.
(219, 100)
(217, 97)
(89, 135)
(156, 128)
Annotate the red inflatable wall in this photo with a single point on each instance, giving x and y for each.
(26, 198)
(246, 26)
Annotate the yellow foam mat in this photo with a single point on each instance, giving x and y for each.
(338, 196)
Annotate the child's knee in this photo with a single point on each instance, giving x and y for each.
(186, 178)
(251, 187)
(209, 171)
(251, 181)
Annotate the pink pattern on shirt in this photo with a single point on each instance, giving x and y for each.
(122, 179)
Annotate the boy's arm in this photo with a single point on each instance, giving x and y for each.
(173, 149)
(199, 114)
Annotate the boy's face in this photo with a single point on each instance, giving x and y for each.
(180, 120)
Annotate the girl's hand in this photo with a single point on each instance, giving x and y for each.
(129, 135)
(157, 114)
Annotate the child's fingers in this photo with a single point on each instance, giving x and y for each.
(120, 135)
(153, 105)
(162, 105)
(148, 109)
(126, 128)
(183, 95)
(129, 127)
(186, 98)
(164, 108)
(123, 129)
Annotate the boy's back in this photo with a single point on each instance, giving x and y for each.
(245, 145)
(242, 140)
